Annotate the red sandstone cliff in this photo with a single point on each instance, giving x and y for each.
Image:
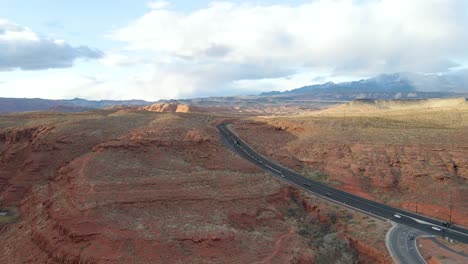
(136, 187)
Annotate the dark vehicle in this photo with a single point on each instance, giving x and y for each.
(306, 184)
(410, 236)
(447, 224)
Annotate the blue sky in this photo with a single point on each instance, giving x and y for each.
(88, 21)
(177, 49)
(79, 22)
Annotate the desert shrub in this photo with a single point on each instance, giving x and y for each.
(291, 212)
(321, 176)
(321, 236)
(7, 216)
(333, 217)
(335, 250)
(318, 176)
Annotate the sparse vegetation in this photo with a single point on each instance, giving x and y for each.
(316, 175)
(7, 216)
(322, 236)
(384, 153)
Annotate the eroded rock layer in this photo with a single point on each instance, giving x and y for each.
(141, 187)
(413, 159)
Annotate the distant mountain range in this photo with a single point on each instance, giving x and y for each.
(385, 86)
(9, 105)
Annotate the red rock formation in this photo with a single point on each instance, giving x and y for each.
(372, 255)
(424, 172)
(136, 187)
(171, 108)
(175, 107)
(19, 171)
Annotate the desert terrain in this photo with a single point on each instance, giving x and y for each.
(234, 132)
(157, 184)
(133, 186)
(409, 154)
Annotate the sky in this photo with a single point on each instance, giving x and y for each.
(137, 49)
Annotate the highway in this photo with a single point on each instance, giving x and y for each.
(401, 242)
(422, 223)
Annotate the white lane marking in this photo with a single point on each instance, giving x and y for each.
(419, 221)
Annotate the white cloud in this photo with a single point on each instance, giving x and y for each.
(123, 60)
(383, 34)
(21, 48)
(91, 81)
(344, 36)
(233, 48)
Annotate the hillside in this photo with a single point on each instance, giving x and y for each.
(15, 105)
(409, 154)
(132, 186)
(382, 87)
(377, 107)
(385, 86)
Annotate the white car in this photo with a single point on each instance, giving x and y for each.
(397, 215)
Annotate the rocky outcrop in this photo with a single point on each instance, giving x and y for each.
(372, 255)
(170, 108)
(32, 154)
(16, 135)
(175, 107)
(396, 162)
(139, 188)
(18, 169)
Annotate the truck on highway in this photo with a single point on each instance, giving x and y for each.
(436, 228)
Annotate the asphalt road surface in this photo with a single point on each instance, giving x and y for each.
(422, 223)
(401, 242)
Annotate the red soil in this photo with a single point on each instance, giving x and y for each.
(138, 187)
(428, 174)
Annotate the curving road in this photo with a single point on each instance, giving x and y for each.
(401, 243)
(422, 223)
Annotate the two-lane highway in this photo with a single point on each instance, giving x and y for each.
(422, 223)
(401, 243)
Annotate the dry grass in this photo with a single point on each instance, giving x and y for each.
(405, 156)
(443, 127)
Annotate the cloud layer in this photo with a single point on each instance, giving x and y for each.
(226, 43)
(387, 35)
(21, 48)
(229, 48)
